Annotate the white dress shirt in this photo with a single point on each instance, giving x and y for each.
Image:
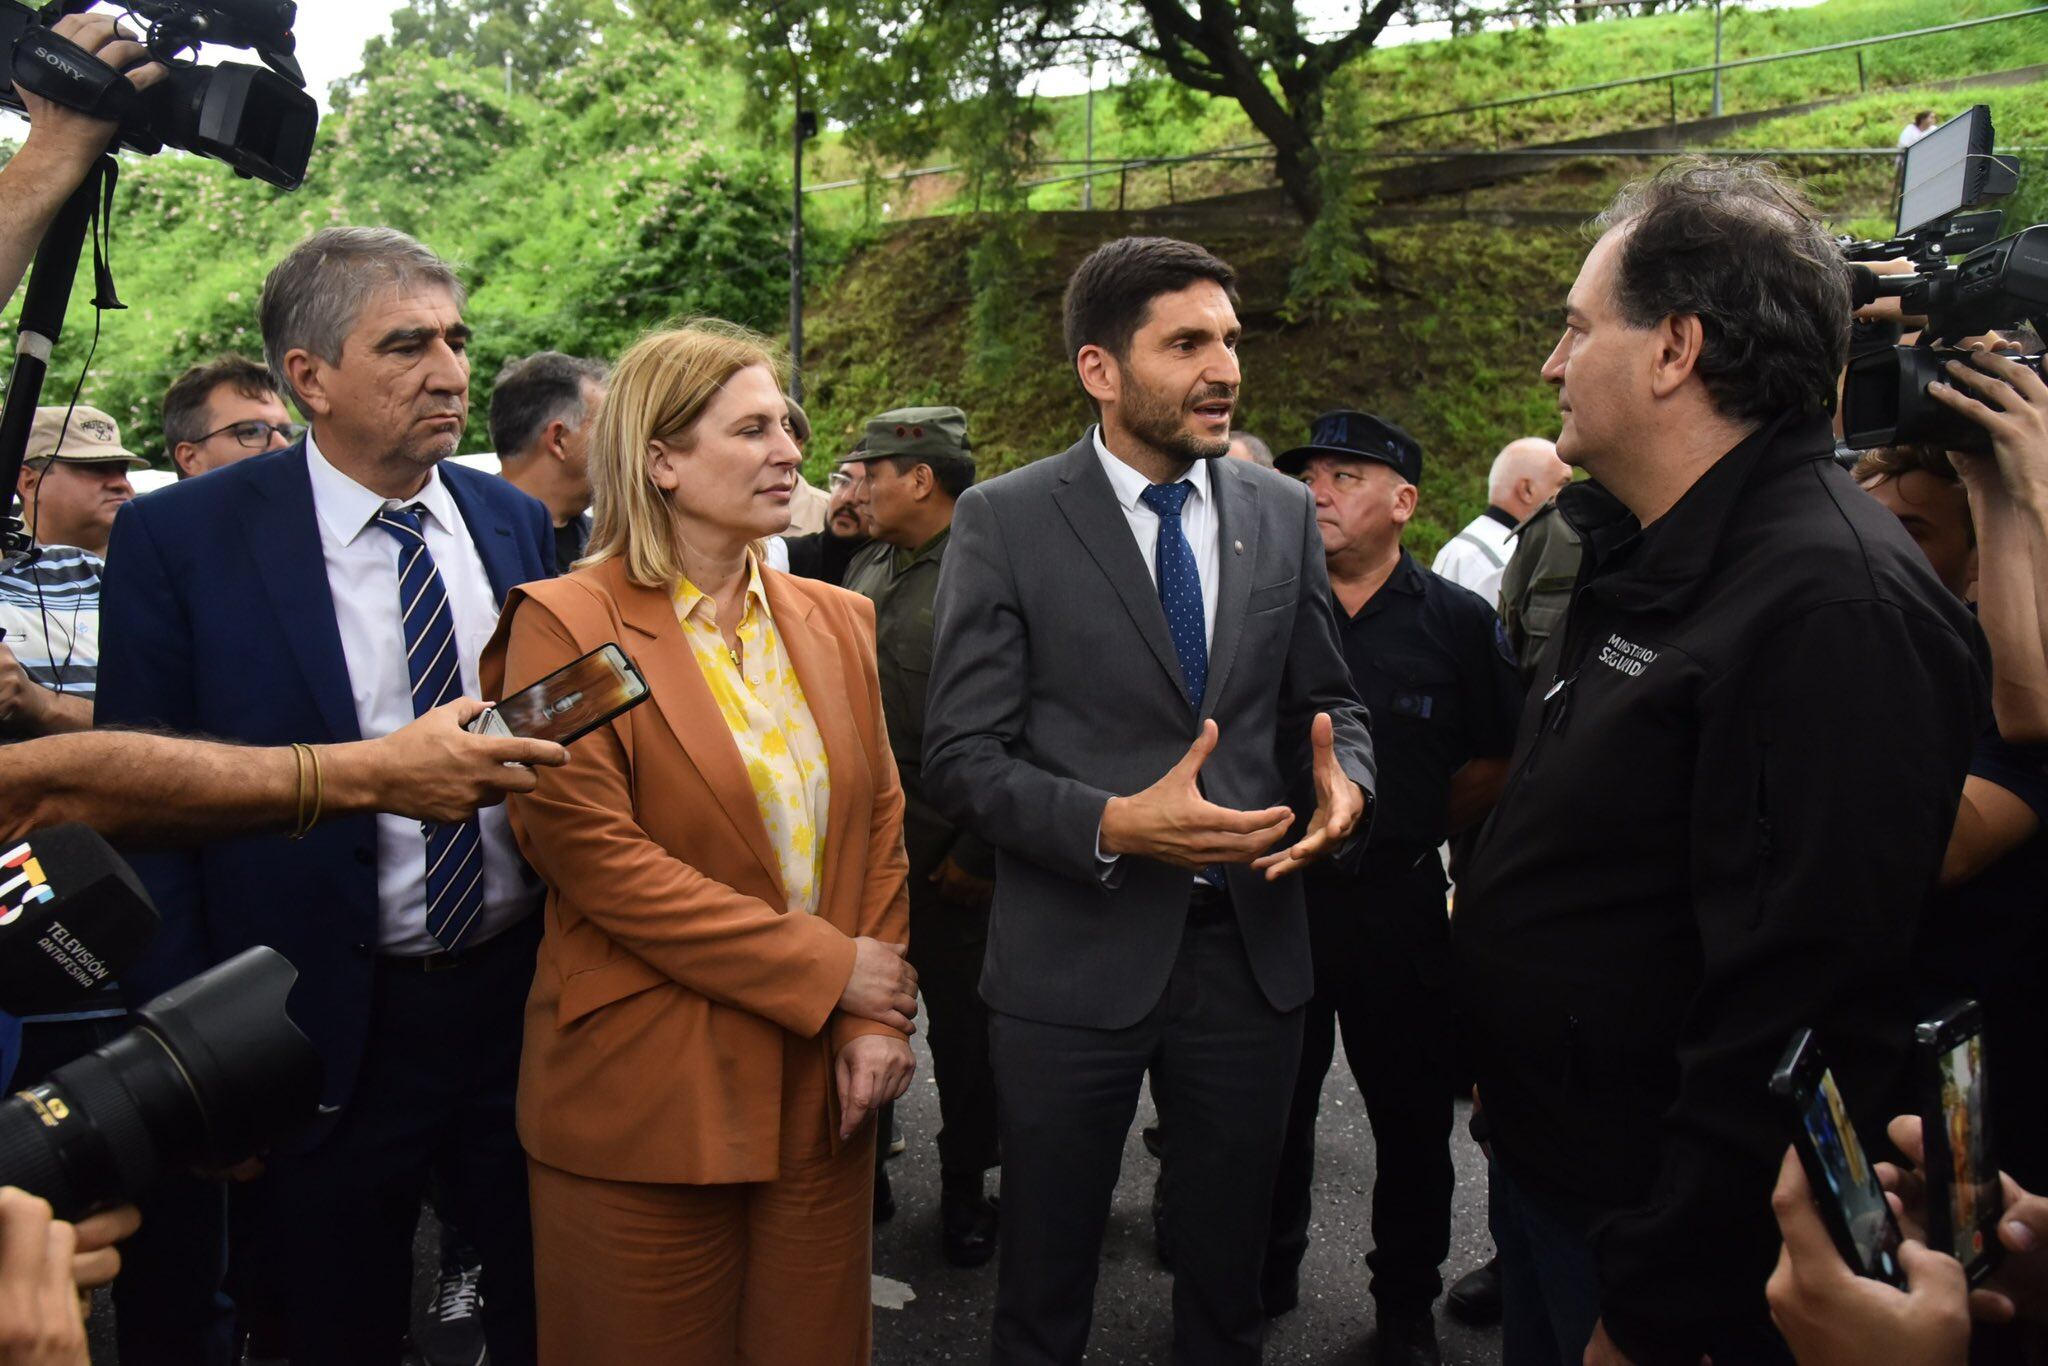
(362, 577)
(1203, 528)
(1477, 557)
(1198, 522)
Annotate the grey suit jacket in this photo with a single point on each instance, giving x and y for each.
(1055, 686)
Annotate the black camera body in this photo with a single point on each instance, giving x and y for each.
(1960, 291)
(259, 120)
(2001, 287)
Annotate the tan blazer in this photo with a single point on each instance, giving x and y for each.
(671, 974)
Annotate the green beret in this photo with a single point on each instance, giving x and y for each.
(935, 433)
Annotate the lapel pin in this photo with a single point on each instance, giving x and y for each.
(1237, 546)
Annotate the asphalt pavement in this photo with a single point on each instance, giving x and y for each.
(927, 1311)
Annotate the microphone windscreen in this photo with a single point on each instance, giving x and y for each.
(73, 916)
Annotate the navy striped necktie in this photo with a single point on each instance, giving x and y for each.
(455, 854)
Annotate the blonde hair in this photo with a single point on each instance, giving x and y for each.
(658, 391)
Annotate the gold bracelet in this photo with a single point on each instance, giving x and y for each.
(299, 803)
(319, 788)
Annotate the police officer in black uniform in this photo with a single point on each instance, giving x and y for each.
(1431, 663)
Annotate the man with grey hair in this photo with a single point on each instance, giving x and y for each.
(329, 592)
(1245, 446)
(1701, 847)
(1525, 475)
(542, 410)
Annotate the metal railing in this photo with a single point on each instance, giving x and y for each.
(1711, 68)
(1261, 150)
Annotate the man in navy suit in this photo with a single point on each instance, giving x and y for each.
(323, 593)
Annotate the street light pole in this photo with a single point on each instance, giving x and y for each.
(1088, 185)
(1717, 58)
(796, 251)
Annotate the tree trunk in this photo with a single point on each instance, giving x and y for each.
(1300, 171)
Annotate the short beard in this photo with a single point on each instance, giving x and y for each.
(1161, 423)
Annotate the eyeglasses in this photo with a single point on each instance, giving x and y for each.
(841, 480)
(255, 434)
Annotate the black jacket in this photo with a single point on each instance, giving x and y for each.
(1725, 812)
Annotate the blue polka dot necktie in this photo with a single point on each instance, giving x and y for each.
(455, 854)
(1180, 593)
(1180, 586)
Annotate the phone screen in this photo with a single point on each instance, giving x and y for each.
(1852, 1183)
(1975, 1199)
(575, 699)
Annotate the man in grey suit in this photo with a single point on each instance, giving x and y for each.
(1135, 608)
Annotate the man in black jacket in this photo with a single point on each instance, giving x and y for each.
(1714, 832)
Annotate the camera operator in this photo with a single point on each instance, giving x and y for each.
(60, 148)
(1981, 937)
(2009, 400)
(1715, 830)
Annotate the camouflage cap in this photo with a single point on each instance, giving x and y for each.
(932, 432)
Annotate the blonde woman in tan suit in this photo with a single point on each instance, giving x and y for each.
(722, 998)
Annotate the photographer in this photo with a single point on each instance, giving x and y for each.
(60, 148)
(46, 1266)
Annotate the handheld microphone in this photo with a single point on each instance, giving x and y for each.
(73, 917)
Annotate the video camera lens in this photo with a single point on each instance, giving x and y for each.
(1885, 400)
(214, 1073)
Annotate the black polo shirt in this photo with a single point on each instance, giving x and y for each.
(1432, 665)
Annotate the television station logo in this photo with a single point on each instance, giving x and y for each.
(22, 883)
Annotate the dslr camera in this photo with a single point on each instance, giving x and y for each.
(213, 1072)
(259, 120)
(1961, 292)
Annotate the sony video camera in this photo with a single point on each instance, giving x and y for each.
(259, 120)
(1995, 287)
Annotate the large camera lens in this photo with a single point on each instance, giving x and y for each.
(214, 1072)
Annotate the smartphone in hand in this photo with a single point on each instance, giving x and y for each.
(1852, 1204)
(1964, 1195)
(570, 702)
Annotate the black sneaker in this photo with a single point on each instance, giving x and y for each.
(453, 1334)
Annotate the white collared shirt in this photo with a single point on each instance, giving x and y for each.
(1198, 522)
(362, 577)
(1477, 557)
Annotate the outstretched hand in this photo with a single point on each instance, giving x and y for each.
(1339, 805)
(1172, 821)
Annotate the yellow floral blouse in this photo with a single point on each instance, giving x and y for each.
(778, 738)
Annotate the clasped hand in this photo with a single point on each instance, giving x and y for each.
(1172, 821)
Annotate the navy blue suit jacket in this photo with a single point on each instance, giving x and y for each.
(216, 620)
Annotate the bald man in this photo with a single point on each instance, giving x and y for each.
(1525, 475)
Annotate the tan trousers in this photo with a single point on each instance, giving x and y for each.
(761, 1274)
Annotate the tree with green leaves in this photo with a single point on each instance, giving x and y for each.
(535, 37)
(905, 77)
